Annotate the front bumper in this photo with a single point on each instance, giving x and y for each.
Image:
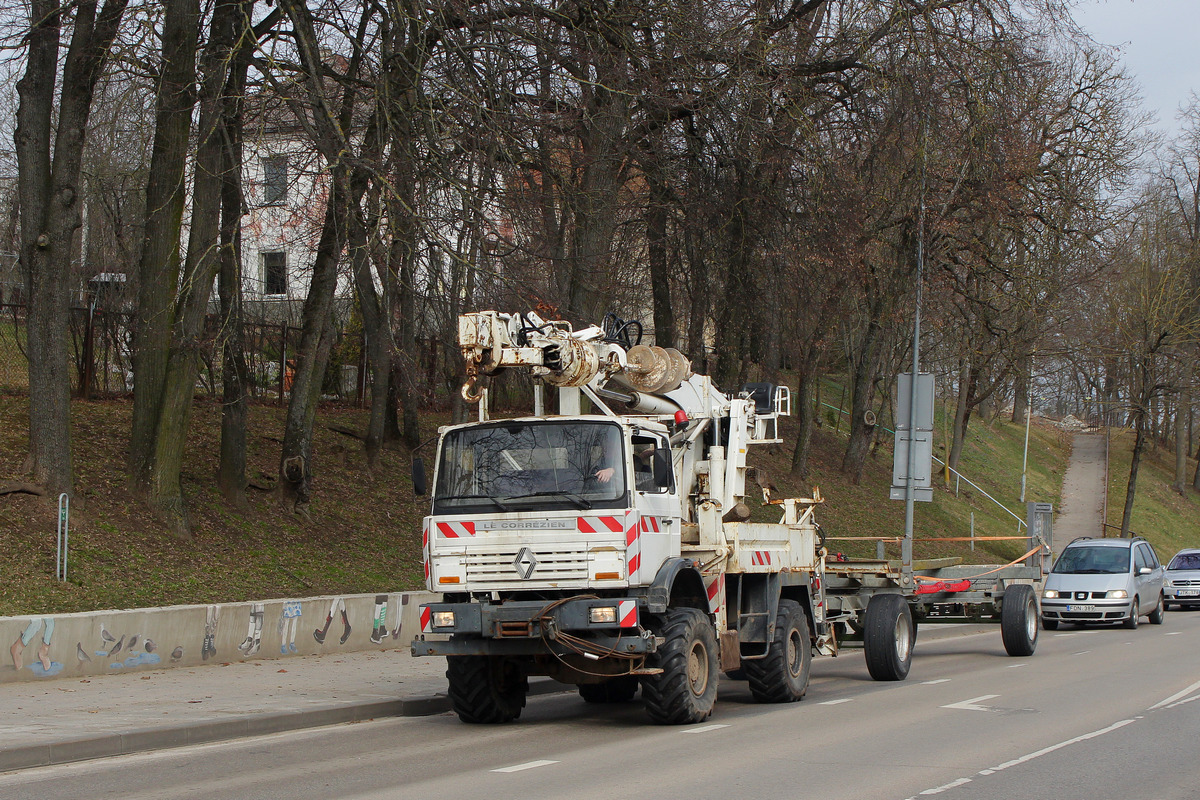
(1171, 595)
(533, 627)
(1098, 610)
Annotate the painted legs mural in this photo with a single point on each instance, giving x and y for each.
(209, 647)
(336, 607)
(289, 621)
(42, 665)
(250, 644)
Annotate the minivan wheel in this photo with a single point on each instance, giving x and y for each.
(1156, 616)
(1134, 613)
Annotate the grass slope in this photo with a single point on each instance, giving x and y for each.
(1166, 518)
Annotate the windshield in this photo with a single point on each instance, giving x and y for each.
(510, 466)
(1185, 561)
(1084, 560)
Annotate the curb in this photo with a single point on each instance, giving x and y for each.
(145, 740)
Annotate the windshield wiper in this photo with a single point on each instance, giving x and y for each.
(487, 497)
(580, 502)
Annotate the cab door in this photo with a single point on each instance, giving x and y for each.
(656, 499)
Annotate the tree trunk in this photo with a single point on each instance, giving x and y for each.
(807, 412)
(1181, 443)
(295, 470)
(1021, 390)
(200, 269)
(660, 272)
(958, 430)
(158, 271)
(1139, 445)
(866, 367)
(375, 335)
(231, 472)
(48, 190)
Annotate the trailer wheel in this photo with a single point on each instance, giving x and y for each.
(615, 690)
(686, 689)
(782, 677)
(888, 637)
(1019, 620)
(486, 689)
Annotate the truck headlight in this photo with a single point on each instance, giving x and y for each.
(1118, 594)
(603, 615)
(1050, 594)
(443, 619)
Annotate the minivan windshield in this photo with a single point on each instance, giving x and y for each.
(1092, 560)
(516, 465)
(1185, 561)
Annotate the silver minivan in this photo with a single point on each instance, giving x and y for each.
(1099, 581)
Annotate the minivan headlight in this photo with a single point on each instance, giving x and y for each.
(1050, 594)
(1118, 594)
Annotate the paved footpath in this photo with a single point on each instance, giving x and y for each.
(72, 719)
(1083, 491)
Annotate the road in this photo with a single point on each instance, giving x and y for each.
(1097, 713)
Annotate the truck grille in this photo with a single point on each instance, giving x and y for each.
(497, 570)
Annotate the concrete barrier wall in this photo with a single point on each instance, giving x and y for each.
(103, 642)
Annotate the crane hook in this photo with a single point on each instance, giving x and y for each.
(467, 389)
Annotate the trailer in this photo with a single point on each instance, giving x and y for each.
(614, 550)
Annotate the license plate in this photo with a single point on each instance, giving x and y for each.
(1187, 592)
(1081, 608)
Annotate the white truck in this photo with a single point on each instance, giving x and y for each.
(614, 550)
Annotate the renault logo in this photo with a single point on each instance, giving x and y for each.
(524, 563)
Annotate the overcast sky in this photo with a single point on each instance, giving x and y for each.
(1158, 41)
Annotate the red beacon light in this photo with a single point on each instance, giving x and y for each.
(681, 417)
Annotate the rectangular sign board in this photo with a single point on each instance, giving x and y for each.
(916, 432)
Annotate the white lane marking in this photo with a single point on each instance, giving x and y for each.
(1181, 702)
(1176, 696)
(1173, 633)
(525, 766)
(1016, 666)
(969, 705)
(836, 702)
(931, 683)
(1028, 757)
(1082, 653)
(704, 729)
(1047, 750)
(1063, 635)
(943, 788)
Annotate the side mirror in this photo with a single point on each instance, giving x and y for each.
(418, 476)
(1144, 570)
(662, 468)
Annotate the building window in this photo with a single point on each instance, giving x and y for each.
(274, 273)
(275, 180)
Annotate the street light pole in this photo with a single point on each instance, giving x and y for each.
(909, 488)
(1028, 415)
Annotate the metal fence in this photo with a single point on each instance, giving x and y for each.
(102, 343)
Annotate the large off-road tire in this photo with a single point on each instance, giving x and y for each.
(614, 690)
(1156, 616)
(782, 676)
(888, 637)
(486, 689)
(686, 689)
(1019, 620)
(1135, 611)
